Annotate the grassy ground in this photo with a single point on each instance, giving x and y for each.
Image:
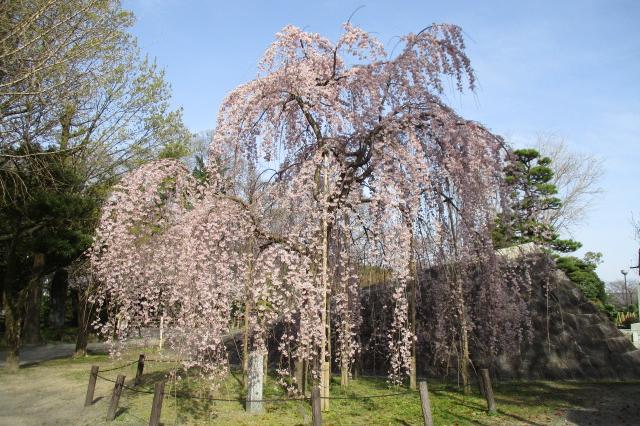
(58, 387)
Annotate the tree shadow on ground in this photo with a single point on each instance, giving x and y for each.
(582, 403)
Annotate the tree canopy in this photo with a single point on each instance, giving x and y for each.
(338, 155)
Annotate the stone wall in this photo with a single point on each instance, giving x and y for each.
(570, 337)
(581, 342)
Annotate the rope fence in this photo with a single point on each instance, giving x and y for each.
(120, 367)
(159, 394)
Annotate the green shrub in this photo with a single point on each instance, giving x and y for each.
(583, 274)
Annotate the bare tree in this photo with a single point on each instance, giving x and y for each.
(576, 176)
(621, 294)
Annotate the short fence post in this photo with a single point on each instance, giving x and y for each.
(316, 411)
(93, 377)
(156, 407)
(488, 390)
(115, 398)
(140, 369)
(426, 403)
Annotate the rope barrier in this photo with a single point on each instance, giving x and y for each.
(119, 367)
(126, 386)
(206, 398)
(306, 398)
(160, 394)
(370, 396)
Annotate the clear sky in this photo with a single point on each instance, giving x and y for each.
(567, 68)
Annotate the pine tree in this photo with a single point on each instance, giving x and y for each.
(531, 195)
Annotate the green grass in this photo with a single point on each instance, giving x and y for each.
(531, 403)
(518, 403)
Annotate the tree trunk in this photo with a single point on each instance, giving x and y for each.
(31, 298)
(462, 310)
(161, 343)
(12, 320)
(85, 310)
(59, 286)
(464, 365)
(76, 307)
(33, 302)
(344, 371)
(12, 327)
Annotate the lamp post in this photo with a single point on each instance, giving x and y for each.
(626, 292)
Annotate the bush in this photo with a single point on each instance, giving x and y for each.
(625, 319)
(583, 274)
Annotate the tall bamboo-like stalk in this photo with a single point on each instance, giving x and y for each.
(325, 349)
(247, 312)
(344, 359)
(412, 306)
(345, 344)
(461, 308)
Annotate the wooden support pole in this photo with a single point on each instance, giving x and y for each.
(412, 372)
(115, 398)
(488, 390)
(299, 367)
(325, 383)
(156, 406)
(305, 371)
(316, 411)
(426, 404)
(255, 381)
(93, 377)
(140, 369)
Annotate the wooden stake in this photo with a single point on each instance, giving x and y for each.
(426, 404)
(115, 398)
(93, 377)
(316, 411)
(156, 406)
(140, 369)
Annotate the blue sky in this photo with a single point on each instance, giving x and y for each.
(570, 69)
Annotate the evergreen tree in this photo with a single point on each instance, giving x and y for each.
(531, 196)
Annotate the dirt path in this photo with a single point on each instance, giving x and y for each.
(50, 387)
(30, 355)
(51, 395)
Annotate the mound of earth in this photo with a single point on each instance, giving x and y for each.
(572, 338)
